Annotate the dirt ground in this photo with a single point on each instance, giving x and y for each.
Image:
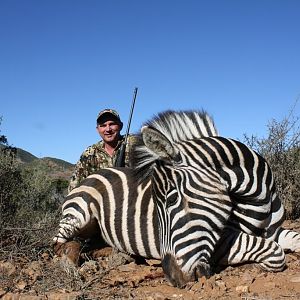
(118, 276)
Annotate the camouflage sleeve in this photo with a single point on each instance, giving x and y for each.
(81, 170)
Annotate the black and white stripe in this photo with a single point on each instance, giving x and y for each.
(204, 186)
(125, 216)
(192, 199)
(118, 203)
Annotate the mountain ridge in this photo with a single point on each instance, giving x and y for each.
(55, 167)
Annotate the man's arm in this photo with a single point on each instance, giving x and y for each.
(81, 170)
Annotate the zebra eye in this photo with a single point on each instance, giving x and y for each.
(171, 197)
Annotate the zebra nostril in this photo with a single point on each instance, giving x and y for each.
(173, 272)
(203, 269)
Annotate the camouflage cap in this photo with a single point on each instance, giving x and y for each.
(106, 112)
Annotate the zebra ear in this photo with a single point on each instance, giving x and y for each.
(156, 142)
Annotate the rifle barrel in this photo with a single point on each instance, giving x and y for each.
(131, 113)
(121, 157)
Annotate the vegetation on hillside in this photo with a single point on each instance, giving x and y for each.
(29, 203)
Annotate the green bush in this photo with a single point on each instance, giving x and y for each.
(281, 148)
(29, 204)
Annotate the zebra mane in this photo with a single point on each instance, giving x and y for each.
(176, 126)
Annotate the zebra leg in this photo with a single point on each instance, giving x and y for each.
(236, 247)
(77, 220)
(71, 227)
(289, 240)
(63, 245)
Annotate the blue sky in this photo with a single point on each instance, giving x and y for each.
(61, 62)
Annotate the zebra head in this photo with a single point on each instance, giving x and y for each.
(187, 238)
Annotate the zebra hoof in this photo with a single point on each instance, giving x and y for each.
(104, 252)
(69, 251)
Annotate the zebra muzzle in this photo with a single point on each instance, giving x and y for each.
(173, 272)
(203, 269)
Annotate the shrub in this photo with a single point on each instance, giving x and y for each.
(29, 204)
(281, 148)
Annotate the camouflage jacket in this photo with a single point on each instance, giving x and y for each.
(95, 158)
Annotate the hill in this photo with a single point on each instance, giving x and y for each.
(55, 167)
(24, 156)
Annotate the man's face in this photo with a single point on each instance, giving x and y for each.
(109, 130)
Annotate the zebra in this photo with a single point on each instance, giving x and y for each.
(104, 202)
(139, 210)
(216, 200)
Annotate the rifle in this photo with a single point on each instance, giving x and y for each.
(120, 161)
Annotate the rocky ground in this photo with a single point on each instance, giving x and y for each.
(118, 276)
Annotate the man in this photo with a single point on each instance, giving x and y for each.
(104, 153)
